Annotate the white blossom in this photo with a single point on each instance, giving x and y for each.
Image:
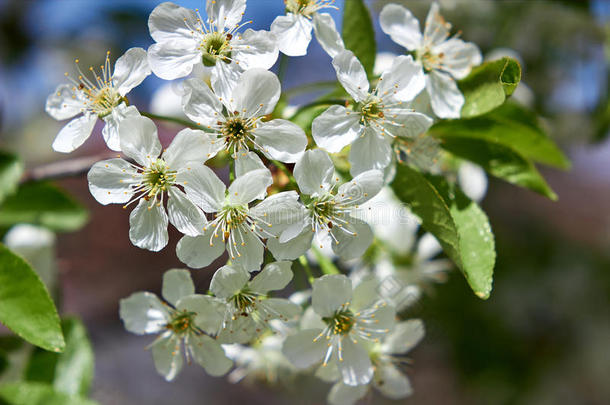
(350, 319)
(247, 309)
(184, 322)
(443, 59)
(293, 30)
(152, 177)
(377, 117)
(100, 96)
(238, 122)
(183, 40)
(328, 210)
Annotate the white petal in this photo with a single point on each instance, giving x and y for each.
(385, 320)
(301, 350)
(203, 188)
(247, 162)
(293, 248)
(428, 247)
(209, 311)
(225, 13)
(369, 151)
(314, 172)
(167, 355)
(356, 367)
(241, 330)
(130, 70)
(366, 293)
(459, 57)
(293, 33)
(407, 123)
(279, 308)
(143, 313)
(336, 128)
(74, 134)
(383, 62)
(327, 35)
(190, 146)
(173, 59)
(401, 26)
(330, 372)
(64, 102)
(183, 214)
(391, 382)
(311, 320)
(256, 93)
(139, 141)
(197, 252)
(352, 246)
(249, 187)
(148, 226)
(274, 276)
(362, 187)
(250, 250)
(110, 181)
(279, 212)
(208, 353)
(110, 132)
(403, 81)
(405, 336)
(281, 140)
(255, 49)
(177, 283)
(351, 75)
(341, 394)
(228, 281)
(224, 79)
(169, 21)
(437, 29)
(167, 100)
(330, 292)
(200, 104)
(473, 181)
(445, 97)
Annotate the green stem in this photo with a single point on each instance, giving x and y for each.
(305, 263)
(281, 73)
(326, 265)
(175, 120)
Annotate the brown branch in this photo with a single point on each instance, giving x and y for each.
(65, 168)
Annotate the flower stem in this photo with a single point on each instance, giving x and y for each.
(305, 263)
(175, 120)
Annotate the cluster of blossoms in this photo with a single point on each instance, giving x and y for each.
(347, 327)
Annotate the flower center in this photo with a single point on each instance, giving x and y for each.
(341, 322)
(231, 217)
(158, 177)
(324, 210)
(244, 302)
(430, 60)
(215, 46)
(371, 109)
(181, 322)
(236, 132)
(307, 7)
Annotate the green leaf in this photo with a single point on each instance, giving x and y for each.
(11, 169)
(25, 305)
(28, 393)
(70, 372)
(358, 33)
(501, 162)
(43, 204)
(488, 86)
(511, 126)
(460, 226)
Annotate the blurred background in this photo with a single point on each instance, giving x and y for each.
(544, 335)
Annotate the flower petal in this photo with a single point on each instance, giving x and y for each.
(407, 123)
(224, 79)
(242, 330)
(130, 70)
(274, 276)
(139, 141)
(391, 382)
(327, 35)
(348, 246)
(143, 313)
(148, 226)
(341, 394)
(459, 57)
(256, 93)
(249, 186)
(249, 249)
(281, 140)
(247, 162)
(363, 187)
(203, 187)
(401, 26)
(293, 248)
(472, 180)
(200, 104)
(369, 151)
(183, 214)
(255, 49)
(225, 13)
(74, 134)
(199, 251)
(177, 283)
(169, 21)
(173, 59)
(110, 132)
(403, 81)
(330, 292)
(209, 311)
(351, 75)
(228, 281)
(314, 172)
(436, 29)
(190, 146)
(445, 97)
(167, 355)
(65, 102)
(278, 212)
(301, 349)
(405, 336)
(110, 181)
(293, 33)
(336, 128)
(208, 353)
(279, 308)
(356, 367)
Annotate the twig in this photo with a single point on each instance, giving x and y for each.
(64, 168)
